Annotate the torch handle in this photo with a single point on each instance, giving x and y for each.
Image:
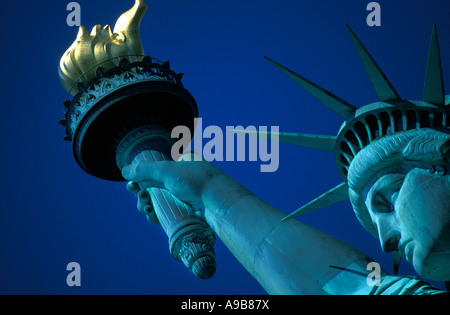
(191, 240)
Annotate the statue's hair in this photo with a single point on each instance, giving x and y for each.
(420, 145)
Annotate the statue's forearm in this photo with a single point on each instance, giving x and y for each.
(285, 257)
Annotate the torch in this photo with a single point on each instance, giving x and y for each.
(123, 107)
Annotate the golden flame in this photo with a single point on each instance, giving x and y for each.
(101, 45)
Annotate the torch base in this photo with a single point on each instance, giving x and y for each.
(107, 122)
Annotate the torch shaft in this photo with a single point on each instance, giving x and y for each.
(191, 240)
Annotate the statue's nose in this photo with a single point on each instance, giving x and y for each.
(388, 234)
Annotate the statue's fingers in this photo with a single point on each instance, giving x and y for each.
(152, 171)
(149, 211)
(143, 200)
(190, 156)
(145, 206)
(151, 215)
(133, 187)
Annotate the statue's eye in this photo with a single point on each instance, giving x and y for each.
(382, 203)
(385, 192)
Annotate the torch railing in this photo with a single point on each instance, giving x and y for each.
(109, 80)
(162, 70)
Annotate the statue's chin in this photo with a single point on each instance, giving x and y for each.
(435, 266)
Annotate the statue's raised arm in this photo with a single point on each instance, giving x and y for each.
(393, 156)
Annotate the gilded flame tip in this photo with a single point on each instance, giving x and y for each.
(100, 45)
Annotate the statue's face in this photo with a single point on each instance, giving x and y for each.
(410, 206)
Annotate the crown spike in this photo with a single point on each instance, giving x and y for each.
(341, 107)
(433, 91)
(319, 142)
(331, 197)
(384, 89)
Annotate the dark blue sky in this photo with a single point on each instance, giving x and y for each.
(53, 213)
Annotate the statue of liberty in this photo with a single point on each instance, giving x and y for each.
(393, 156)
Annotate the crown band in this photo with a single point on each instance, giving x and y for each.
(380, 119)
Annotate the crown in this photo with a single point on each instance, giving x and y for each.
(390, 115)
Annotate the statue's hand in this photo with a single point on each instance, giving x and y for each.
(144, 203)
(186, 180)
